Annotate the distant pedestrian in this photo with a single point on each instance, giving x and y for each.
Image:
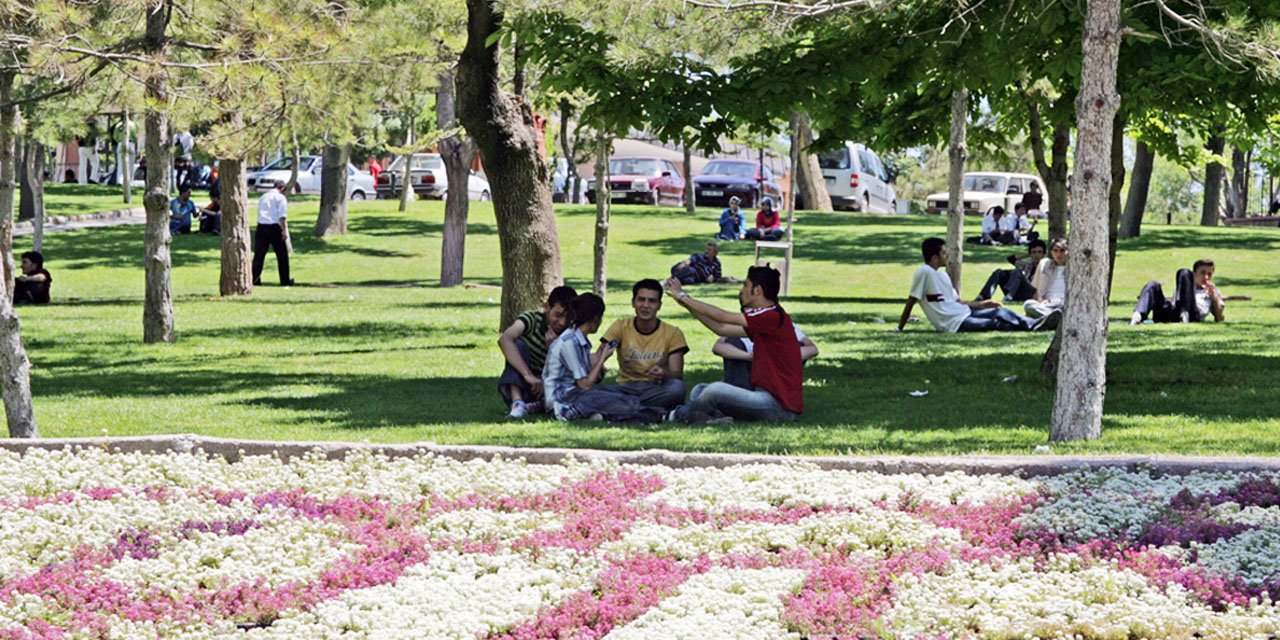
(273, 232)
(32, 287)
(375, 168)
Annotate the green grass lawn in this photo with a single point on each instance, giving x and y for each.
(78, 199)
(369, 347)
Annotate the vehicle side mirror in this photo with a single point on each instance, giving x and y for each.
(666, 174)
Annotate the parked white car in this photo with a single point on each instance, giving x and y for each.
(429, 179)
(857, 180)
(360, 184)
(986, 189)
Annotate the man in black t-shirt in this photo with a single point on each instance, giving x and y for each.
(32, 287)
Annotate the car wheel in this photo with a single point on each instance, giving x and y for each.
(359, 195)
(893, 206)
(484, 196)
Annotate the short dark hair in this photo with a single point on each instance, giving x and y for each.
(35, 257)
(648, 284)
(1037, 243)
(587, 307)
(997, 210)
(562, 296)
(1020, 205)
(184, 188)
(768, 279)
(279, 184)
(1201, 263)
(932, 247)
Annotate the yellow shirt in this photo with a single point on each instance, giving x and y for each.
(638, 352)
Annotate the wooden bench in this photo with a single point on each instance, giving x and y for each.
(1253, 221)
(785, 269)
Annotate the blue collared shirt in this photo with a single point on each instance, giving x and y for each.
(180, 213)
(568, 360)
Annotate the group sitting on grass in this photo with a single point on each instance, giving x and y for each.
(552, 368)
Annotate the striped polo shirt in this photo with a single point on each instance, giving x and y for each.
(535, 337)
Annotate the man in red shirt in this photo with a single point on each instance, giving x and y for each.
(777, 372)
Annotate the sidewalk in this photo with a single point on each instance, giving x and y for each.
(136, 215)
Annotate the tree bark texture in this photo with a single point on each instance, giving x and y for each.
(959, 153)
(237, 250)
(126, 183)
(1114, 207)
(292, 185)
(1135, 206)
(571, 179)
(808, 174)
(1052, 171)
(1213, 174)
(406, 189)
(22, 154)
(8, 176)
(34, 171)
(1239, 197)
(157, 311)
(600, 263)
(1082, 381)
(456, 152)
(503, 128)
(332, 220)
(689, 204)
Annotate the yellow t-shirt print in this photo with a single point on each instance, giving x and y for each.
(638, 352)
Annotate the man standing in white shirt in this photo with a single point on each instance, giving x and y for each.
(273, 232)
(931, 287)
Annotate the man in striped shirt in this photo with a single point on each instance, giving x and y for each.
(524, 345)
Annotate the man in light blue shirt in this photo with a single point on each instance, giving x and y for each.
(181, 209)
(571, 368)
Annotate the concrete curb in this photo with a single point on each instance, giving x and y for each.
(1026, 466)
(27, 225)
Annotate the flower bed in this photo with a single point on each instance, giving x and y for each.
(100, 545)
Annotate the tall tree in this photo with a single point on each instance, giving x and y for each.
(332, 220)
(457, 151)
(157, 312)
(809, 183)
(503, 129)
(1213, 175)
(1082, 376)
(958, 152)
(1135, 205)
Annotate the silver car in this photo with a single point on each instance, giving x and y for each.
(360, 184)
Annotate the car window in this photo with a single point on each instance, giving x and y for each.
(733, 169)
(768, 174)
(1015, 186)
(985, 183)
(866, 163)
(427, 161)
(281, 164)
(634, 166)
(671, 167)
(838, 159)
(879, 167)
(351, 171)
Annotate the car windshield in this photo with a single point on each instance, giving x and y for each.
(420, 161)
(286, 164)
(838, 159)
(734, 169)
(985, 183)
(633, 166)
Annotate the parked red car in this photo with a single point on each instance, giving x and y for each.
(642, 180)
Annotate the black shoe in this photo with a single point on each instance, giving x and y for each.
(257, 283)
(290, 283)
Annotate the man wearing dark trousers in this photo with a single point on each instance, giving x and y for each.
(273, 232)
(1195, 298)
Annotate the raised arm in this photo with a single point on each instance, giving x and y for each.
(720, 322)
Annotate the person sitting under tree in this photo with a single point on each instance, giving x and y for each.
(699, 267)
(1016, 282)
(997, 228)
(932, 289)
(650, 351)
(733, 222)
(1194, 298)
(181, 209)
(1050, 282)
(777, 374)
(768, 223)
(32, 287)
(524, 345)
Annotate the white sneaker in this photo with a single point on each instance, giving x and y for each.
(1136, 319)
(518, 410)
(1184, 317)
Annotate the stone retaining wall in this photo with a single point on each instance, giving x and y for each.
(1037, 465)
(21, 225)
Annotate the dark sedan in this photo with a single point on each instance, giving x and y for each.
(723, 179)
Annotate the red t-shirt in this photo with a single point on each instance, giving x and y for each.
(769, 220)
(777, 367)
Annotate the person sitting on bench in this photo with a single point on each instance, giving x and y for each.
(1194, 298)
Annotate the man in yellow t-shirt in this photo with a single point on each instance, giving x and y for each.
(650, 351)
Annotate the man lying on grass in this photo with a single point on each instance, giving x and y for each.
(1194, 298)
(776, 372)
(931, 287)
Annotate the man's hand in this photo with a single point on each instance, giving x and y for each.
(990, 304)
(656, 374)
(673, 287)
(535, 384)
(606, 350)
(711, 279)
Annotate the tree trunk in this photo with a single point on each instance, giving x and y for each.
(126, 182)
(1239, 201)
(457, 152)
(1082, 375)
(22, 153)
(292, 185)
(157, 311)
(1135, 205)
(812, 187)
(600, 271)
(503, 129)
(34, 166)
(1213, 174)
(1114, 208)
(237, 252)
(571, 179)
(690, 203)
(406, 189)
(332, 220)
(959, 152)
(8, 176)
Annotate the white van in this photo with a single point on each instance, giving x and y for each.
(857, 180)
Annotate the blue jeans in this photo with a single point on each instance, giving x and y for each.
(666, 396)
(998, 319)
(740, 404)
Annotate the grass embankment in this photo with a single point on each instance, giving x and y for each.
(370, 348)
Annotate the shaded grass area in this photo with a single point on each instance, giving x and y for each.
(370, 348)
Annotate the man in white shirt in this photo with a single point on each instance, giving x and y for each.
(937, 296)
(1194, 299)
(273, 232)
(997, 228)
